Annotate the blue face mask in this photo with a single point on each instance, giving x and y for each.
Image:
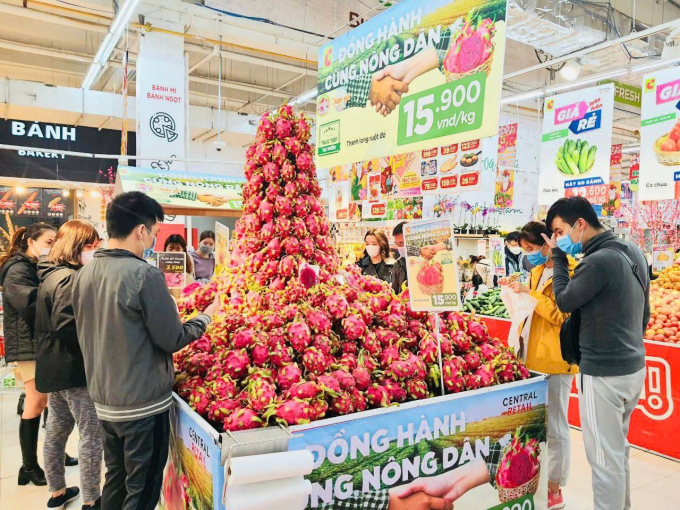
(148, 252)
(537, 258)
(568, 246)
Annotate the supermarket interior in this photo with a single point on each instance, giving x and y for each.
(214, 295)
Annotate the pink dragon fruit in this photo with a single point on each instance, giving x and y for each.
(265, 131)
(400, 370)
(299, 229)
(283, 205)
(345, 379)
(304, 161)
(362, 377)
(319, 322)
(279, 355)
(303, 390)
(262, 154)
(315, 361)
(307, 248)
(370, 343)
(259, 394)
(220, 409)
(488, 351)
(461, 342)
(289, 375)
(290, 412)
(359, 400)
(353, 327)
(236, 363)
(292, 246)
(396, 390)
(472, 360)
(312, 223)
(317, 409)
(287, 266)
(199, 400)
(389, 355)
(279, 154)
(287, 171)
(283, 226)
(199, 363)
(303, 129)
(417, 389)
(301, 209)
(222, 387)
(290, 190)
(244, 339)
(273, 248)
(329, 383)
(429, 352)
(300, 336)
(242, 419)
(273, 192)
(271, 171)
(337, 306)
(293, 145)
(260, 355)
(378, 396)
(266, 211)
(283, 128)
(342, 404)
(386, 337)
(477, 332)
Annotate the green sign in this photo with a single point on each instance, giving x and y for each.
(523, 503)
(656, 120)
(626, 94)
(329, 138)
(451, 108)
(555, 135)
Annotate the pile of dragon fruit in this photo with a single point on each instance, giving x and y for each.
(297, 338)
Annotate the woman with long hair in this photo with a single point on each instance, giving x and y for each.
(204, 260)
(377, 260)
(176, 243)
(19, 282)
(60, 371)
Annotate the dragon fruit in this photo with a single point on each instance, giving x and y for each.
(472, 360)
(283, 128)
(417, 389)
(290, 190)
(488, 351)
(315, 361)
(345, 379)
(337, 306)
(461, 342)
(300, 335)
(271, 171)
(359, 400)
(220, 409)
(519, 463)
(260, 355)
(303, 390)
(319, 322)
(242, 419)
(289, 375)
(472, 46)
(317, 409)
(290, 412)
(478, 332)
(244, 339)
(304, 161)
(199, 400)
(273, 248)
(354, 327)
(259, 394)
(279, 156)
(329, 383)
(265, 131)
(236, 363)
(342, 404)
(293, 145)
(389, 355)
(283, 206)
(396, 390)
(292, 246)
(362, 378)
(222, 387)
(483, 377)
(378, 396)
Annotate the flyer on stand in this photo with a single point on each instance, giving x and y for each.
(660, 136)
(434, 66)
(576, 145)
(662, 256)
(431, 265)
(174, 266)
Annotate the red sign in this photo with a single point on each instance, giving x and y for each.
(430, 153)
(449, 182)
(469, 179)
(469, 146)
(596, 195)
(656, 419)
(616, 154)
(378, 209)
(429, 184)
(449, 149)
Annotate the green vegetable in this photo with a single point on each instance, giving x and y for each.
(575, 157)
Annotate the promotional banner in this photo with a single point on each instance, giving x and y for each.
(612, 204)
(8, 201)
(433, 67)
(373, 211)
(173, 265)
(506, 163)
(221, 246)
(660, 136)
(454, 168)
(426, 448)
(576, 145)
(497, 255)
(29, 202)
(161, 108)
(662, 256)
(53, 203)
(504, 191)
(204, 191)
(431, 265)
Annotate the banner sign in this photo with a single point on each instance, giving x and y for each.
(7, 200)
(506, 163)
(205, 191)
(429, 446)
(662, 256)
(612, 205)
(431, 265)
(173, 265)
(660, 136)
(432, 49)
(29, 202)
(53, 204)
(373, 211)
(497, 255)
(626, 94)
(38, 162)
(576, 144)
(161, 108)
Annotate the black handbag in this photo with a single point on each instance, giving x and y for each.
(569, 332)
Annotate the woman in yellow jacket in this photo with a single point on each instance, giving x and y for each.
(541, 341)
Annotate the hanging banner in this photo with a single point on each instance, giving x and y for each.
(161, 108)
(374, 193)
(660, 136)
(497, 255)
(506, 163)
(448, 57)
(507, 145)
(29, 202)
(504, 189)
(612, 205)
(454, 168)
(662, 256)
(8, 201)
(221, 246)
(576, 145)
(204, 191)
(431, 265)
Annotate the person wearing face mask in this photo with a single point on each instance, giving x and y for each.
(399, 275)
(377, 261)
(176, 243)
(19, 281)
(128, 328)
(514, 258)
(60, 371)
(204, 260)
(610, 290)
(540, 340)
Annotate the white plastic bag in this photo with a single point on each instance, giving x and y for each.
(520, 308)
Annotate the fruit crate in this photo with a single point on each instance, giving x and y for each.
(505, 409)
(498, 327)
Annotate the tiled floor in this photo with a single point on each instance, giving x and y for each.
(655, 480)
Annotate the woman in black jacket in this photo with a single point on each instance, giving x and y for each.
(60, 371)
(377, 261)
(19, 282)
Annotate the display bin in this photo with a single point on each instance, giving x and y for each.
(363, 455)
(656, 419)
(498, 327)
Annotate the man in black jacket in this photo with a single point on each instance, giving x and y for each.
(610, 287)
(399, 276)
(128, 327)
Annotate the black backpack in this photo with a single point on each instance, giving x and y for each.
(569, 332)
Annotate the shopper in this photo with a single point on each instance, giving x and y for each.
(176, 243)
(377, 261)
(204, 260)
(19, 281)
(60, 372)
(128, 327)
(514, 258)
(399, 275)
(610, 288)
(540, 339)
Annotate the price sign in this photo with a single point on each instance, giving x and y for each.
(451, 108)
(174, 267)
(596, 195)
(439, 300)
(523, 503)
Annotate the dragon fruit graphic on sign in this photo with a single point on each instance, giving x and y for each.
(519, 469)
(472, 48)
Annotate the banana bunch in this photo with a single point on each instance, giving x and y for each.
(575, 157)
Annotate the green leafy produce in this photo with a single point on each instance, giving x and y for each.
(489, 303)
(575, 157)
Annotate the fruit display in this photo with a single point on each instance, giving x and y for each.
(664, 324)
(296, 337)
(489, 303)
(667, 147)
(575, 157)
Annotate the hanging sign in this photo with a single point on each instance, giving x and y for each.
(660, 136)
(7, 200)
(435, 65)
(497, 255)
(576, 144)
(431, 265)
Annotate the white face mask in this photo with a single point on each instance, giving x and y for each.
(373, 250)
(515, 250)
(86, 257)
(44, 252)
(402, 251)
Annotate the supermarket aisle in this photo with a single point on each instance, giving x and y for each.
(655, 480)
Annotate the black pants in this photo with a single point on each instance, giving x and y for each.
(135, 453)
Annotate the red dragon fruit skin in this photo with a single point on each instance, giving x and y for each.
(222, 387)
(354, 327)
(328, 382)
(304, 390)
(199, 400)
(315, 361)
(220, 409)
(359, 400)
(417, 389)
(291, 412)
(345, 379)
(342, 404)
(289, 375)
(299, 335)
(242, 419)
(337, 306)
(378, 396)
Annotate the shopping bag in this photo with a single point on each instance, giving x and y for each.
(520, 308)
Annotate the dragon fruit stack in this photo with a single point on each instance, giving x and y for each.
(296, 337)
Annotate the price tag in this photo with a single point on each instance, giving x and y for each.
(174, 266)
(445, 300)
(523, 503)
(596, 195)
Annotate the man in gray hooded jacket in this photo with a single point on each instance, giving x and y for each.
(128, 327)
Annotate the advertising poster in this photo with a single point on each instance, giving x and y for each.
(29, 202)
(635, 172)
(576, 145)
(660, 136)
(405, 209)
(53, 204)
(193, 476)
(429, 50)
(174, 267)
(7, 200)
(373, 211)
(374, 192)
(431, 265)
(454, 168)
(338, 201)
(204, 191)
(481, 247)
(428, 447)
(221, 246)
(612, 204)
(497, 255)
(662, 256)
(506, 164)
(504, 189)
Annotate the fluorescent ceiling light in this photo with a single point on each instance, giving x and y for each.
(632, 148)
(305, 96)
(571, 70)
(533, 94)
(109, 43)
